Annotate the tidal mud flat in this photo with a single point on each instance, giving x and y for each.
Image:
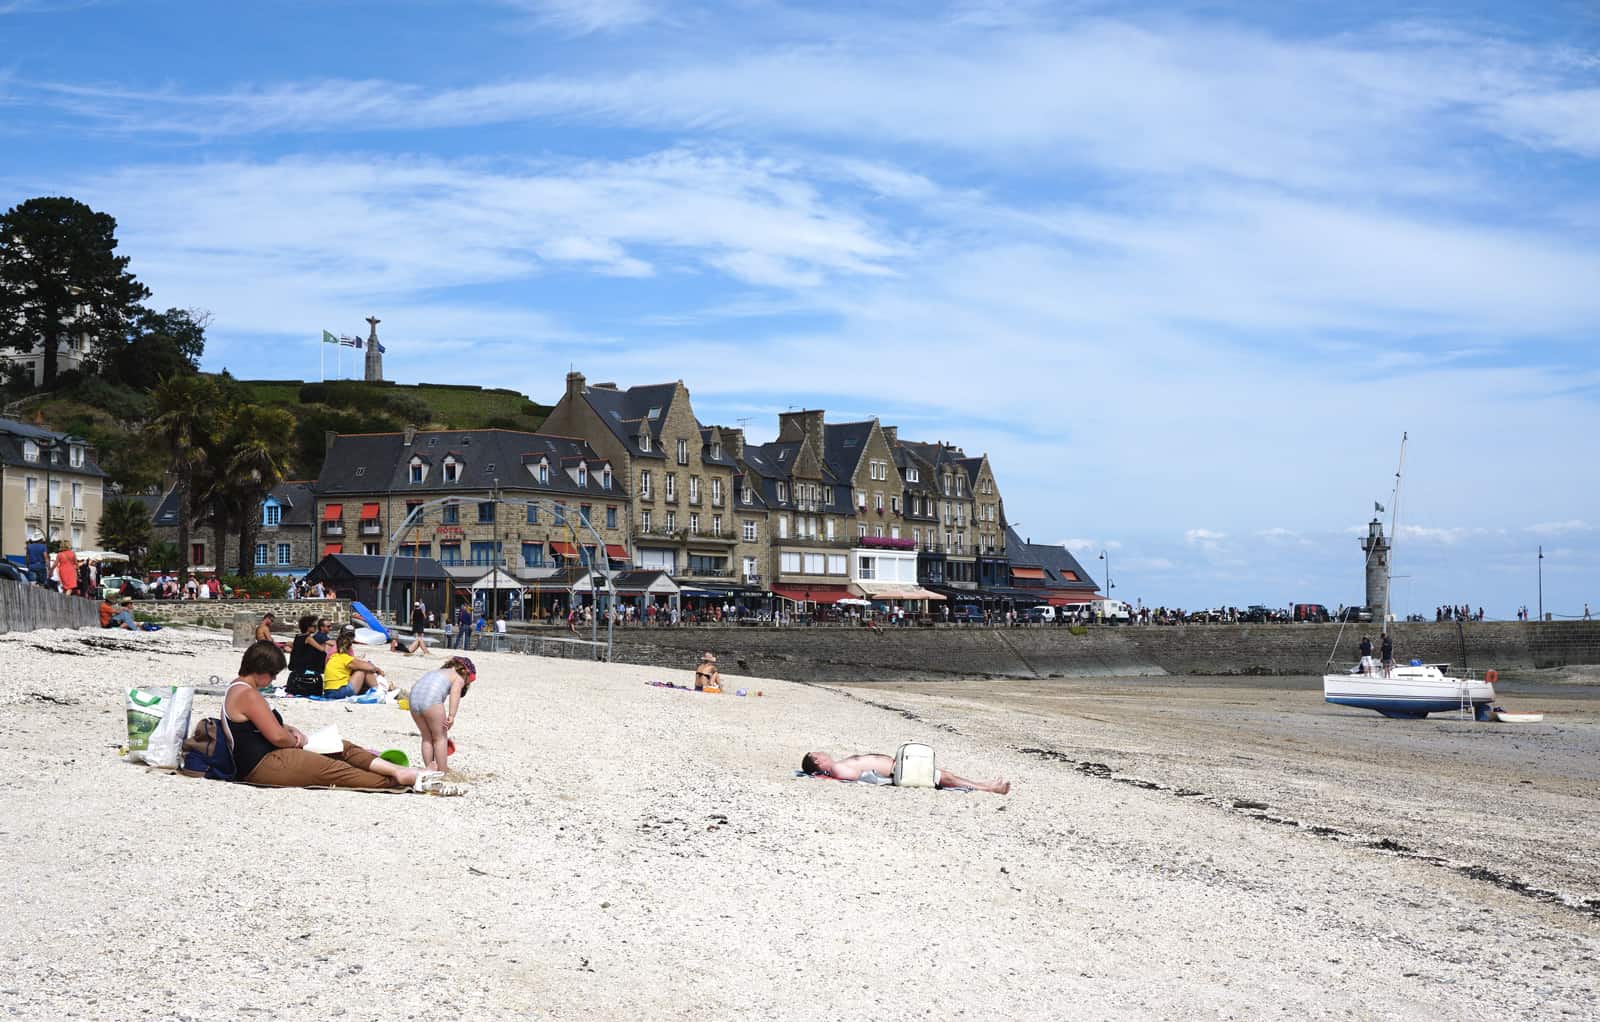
(630, 852)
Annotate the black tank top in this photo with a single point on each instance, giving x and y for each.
(250, 746)
(305, 657)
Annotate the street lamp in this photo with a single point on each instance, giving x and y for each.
(47, 452)
(1109, 585)
(1541, 582)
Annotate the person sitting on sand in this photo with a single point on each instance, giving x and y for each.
(264, 627)
(267, 752)
(706, 678)
(435, 699)
(344, 675)
(852, 767)
(111, 617)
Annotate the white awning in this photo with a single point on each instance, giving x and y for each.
(892, 590)
(497, 579)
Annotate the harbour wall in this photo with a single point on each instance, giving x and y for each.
(859, 654)
(24, 608)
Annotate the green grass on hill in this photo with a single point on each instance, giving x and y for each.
(445, 406)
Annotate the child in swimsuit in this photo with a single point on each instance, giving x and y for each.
(435, 699)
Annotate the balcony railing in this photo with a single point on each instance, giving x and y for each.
(371, 527)
(32, 510)
(333, 528)
(79, 515)
(886, 543)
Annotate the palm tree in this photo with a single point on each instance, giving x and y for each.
(260, 444)
(125, 527)
(185, 405)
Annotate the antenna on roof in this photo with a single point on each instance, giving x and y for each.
(745, 421)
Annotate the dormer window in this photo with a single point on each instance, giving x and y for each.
(30, 451)
(783, 493)
(644, 442)
(716, 450)
(75, 456)
(544, 471)
(911, 475)
(605, 478)
(746, 496)
(583, 474)
(959, 486)
(452, 470)
(419, 471)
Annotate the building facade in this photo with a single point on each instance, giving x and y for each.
(50, 487)
(285, 541)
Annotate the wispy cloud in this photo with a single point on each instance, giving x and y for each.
(582, 17)
(1565, 528)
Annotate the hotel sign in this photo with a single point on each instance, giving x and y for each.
(448, 531)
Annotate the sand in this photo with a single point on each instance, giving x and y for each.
(633, 852)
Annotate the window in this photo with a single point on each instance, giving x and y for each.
(285, 554)
(694, 522)
(560, 513)
(783, 526)
(947, 483)
(533, 514)
(868, 567)
(31, 490)
(916, 536)
(960, 484)
(197, 553)
(611, 517)
(861, 499)
(261, 555)
(533, 555)
(412, 505)
(877, 530)
(583, 474)
(417, 471)
(672, 521)
(683, 452)
(30, 451)
(485, 512)
(605, 478)
(830, 528)
(644, 483)
(672, 486)
(783, 492)
(814, 564)
(789, 563)
(894, 531)
(77, 495)
(644, 520)
(271, 515)
(861, 529)
(716, 450)
(449, 553)
(894, 503)
(54, 489)
(583, 513)
(912, 476)
(828, 496)
(749, 530)
(452, 471)
(836, 564)
(75, 456)
(703, 565)
(746, 496)
(372, 549)
(877, 501)
(483, 553)
(716, 525)
(544, 471)
(694, 489)
(644, 442)
(750, 570)
(416, 549)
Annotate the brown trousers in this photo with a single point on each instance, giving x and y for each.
(297, 768)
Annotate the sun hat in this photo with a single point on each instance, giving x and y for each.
(127, 599)
(708, 658)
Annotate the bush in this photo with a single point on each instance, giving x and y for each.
(276, 586)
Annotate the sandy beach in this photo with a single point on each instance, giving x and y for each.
(633, 852)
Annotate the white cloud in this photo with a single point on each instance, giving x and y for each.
(582, 17)
(1205, 538)
(1560, 528)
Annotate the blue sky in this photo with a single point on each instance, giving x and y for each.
(1185, 271)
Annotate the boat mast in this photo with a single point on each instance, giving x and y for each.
(1394, 534)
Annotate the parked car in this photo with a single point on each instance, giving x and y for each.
(1314, 612)
(966, 612)
(111, 587)
(1354, 614)
(1042, 614)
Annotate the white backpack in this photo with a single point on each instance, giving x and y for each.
(913, 766)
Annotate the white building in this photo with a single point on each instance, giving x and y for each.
(71, 353)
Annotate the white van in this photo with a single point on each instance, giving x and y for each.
(1109, 611)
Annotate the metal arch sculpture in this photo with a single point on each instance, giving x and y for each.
(385, 575)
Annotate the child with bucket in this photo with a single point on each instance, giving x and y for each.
(435, 700)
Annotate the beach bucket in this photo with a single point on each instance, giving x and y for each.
(396, 756)
(450, 748)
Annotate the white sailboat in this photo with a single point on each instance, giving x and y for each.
(1416, 689)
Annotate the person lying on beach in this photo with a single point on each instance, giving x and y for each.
(435, 699)
(344, 675)
(267, 752)
(401, 644)
(852, 767)
(706, 677)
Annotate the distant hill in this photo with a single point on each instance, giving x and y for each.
(440, 405)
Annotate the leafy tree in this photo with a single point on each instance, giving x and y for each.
(60, 276)
(125, 527)
(185, 408)
(259, 443)
(157, 345)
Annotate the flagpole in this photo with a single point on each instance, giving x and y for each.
(322, 358)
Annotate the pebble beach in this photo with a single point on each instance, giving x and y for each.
(1170, 849)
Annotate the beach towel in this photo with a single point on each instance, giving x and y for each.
(871, 777)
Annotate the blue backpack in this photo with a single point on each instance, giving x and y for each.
(209, 752)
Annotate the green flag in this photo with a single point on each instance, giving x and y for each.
(328, 338)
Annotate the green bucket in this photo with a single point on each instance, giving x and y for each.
(395, 756)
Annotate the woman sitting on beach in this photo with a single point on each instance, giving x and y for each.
(852, 767)
(267, 752)
(435, 699)
(706, 678)
(344, 675)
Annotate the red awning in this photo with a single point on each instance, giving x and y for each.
(333, 512)
(333, 548)
(813, 594)
(1037, 573)
(616, 552)
(369, 512)
(1063, 601)
(564, 549)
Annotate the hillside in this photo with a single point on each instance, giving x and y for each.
(448, 406)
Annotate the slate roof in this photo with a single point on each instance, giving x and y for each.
(772, 463)
(627, 412)
(13, 433)
(725, 461)
(842, 444)
(1056, 560)
(295, 497)
(362, 566)
(370, 463)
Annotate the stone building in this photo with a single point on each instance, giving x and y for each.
(944, 515)
(570, 504)
(680, 477)
(285, 542)
(47, 476)
(808, 510)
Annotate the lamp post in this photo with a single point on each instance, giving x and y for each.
(1541, 581)
(494, 568)
(1109, 584)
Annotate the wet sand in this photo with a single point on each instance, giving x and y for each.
(1511, 803)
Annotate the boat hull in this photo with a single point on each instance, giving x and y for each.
(1406, 694)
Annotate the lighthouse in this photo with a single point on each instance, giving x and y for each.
(374, 352)
(1377, 550)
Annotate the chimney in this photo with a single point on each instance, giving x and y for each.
(328, 437)
(801, 426)
(891, 434)
(411, 433)
(574, 384)
(733, 442)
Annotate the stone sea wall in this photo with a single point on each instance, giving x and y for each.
(859, 654)
(221, 613)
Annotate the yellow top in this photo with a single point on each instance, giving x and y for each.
(336, 673)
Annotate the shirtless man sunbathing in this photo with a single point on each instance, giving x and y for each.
(852, 767)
